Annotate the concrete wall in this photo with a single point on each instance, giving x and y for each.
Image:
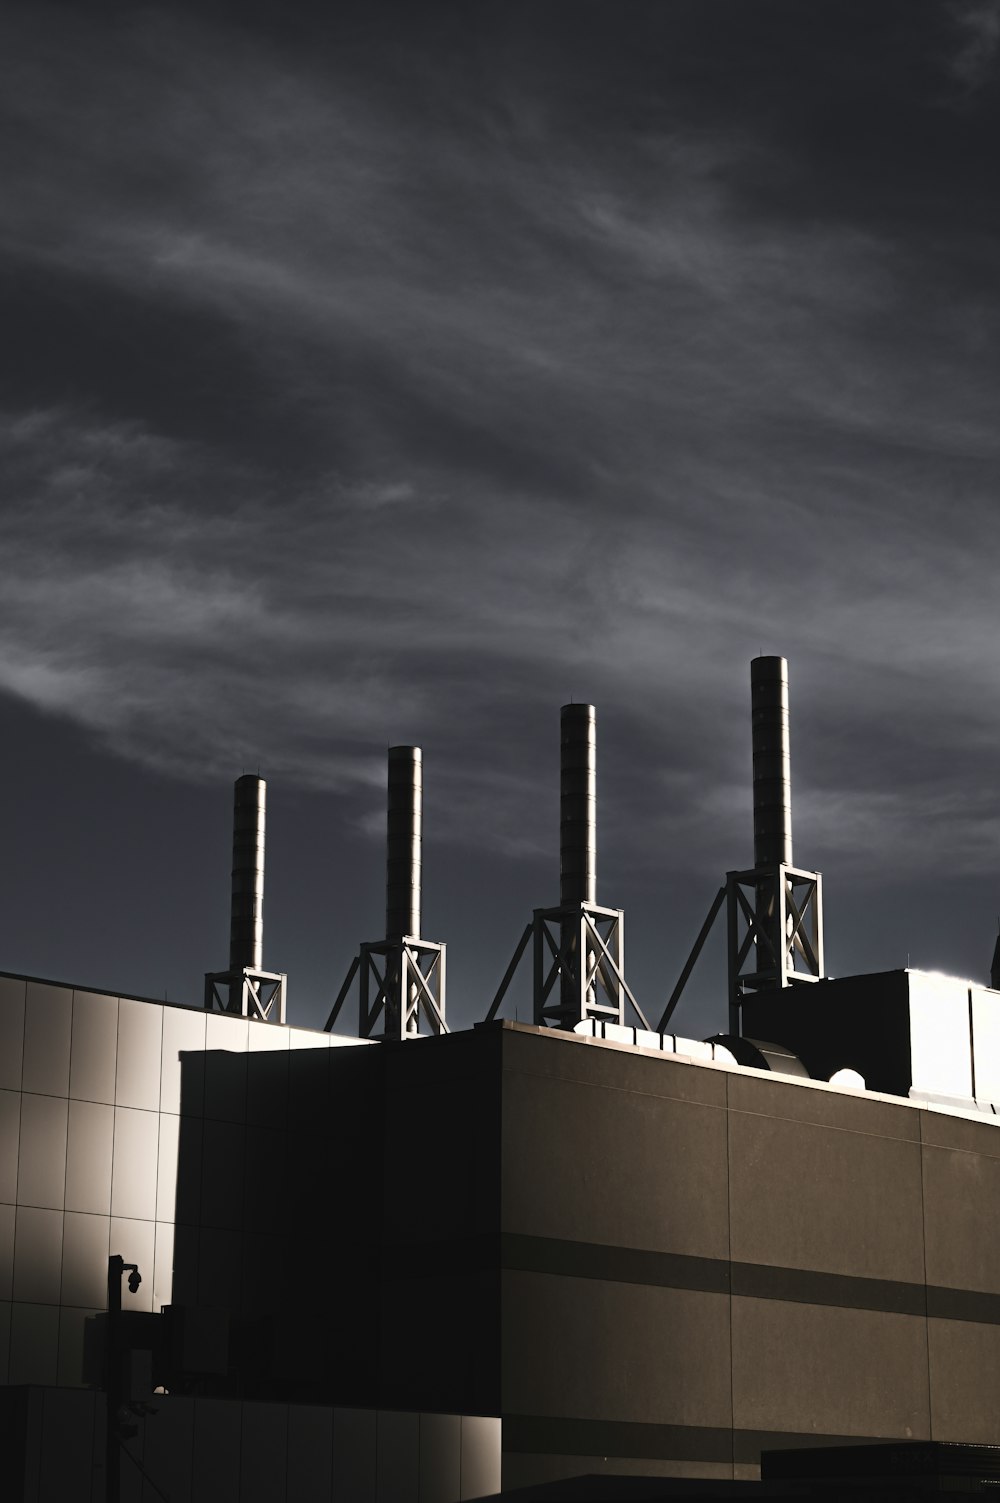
(700, 1262)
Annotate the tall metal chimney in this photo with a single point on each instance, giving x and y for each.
(774, 911)
(246, 987)
(404, 821)
(772, 787)
(401, 979)
(246, 926)
(579, 948)
(577, 804)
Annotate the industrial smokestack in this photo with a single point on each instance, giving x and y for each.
(772, 797)
(403, 842)
(246, 930)
(578, 805)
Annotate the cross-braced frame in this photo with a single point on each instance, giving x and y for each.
(578, 972)
(400, 984)
(259, 995)
(775, 923)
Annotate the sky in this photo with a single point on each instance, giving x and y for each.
(395, 373)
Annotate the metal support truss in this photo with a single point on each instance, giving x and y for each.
(248, 993)
(689, 964)
(775, 927)
(400, 982)
(578, 969)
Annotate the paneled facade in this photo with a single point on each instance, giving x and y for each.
(91, 1113)
(638, 1262)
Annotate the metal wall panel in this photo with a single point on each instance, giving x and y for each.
(131, 1477)
(34, 1343)
(94, 1047)
(554, 1128)
(267, 1078)
(611, 1326)
(480, 1456)
(307, 1038)
(266, 1179)
(264, 1452)
(440, 1457)
(216, 1452)
(167, 1449)
(222, 1174)
(137, 1083)
(10, 1117)
(166, 1167)
(163, 1265)
(37, 1255)
(965, 1380)
(135, 1241)
(226, 1074)
(7, 1214)
(5, 1339)
(11, 1032)
(265, 1038)
(68, 1421)
(846, 1201)
(220, 1267)
(41, 1160)
(802, 1367)
(264, 1295)
(986, 1043)
(183, 1032)
(354, 1455)
(89, 1149)
(48, 1025)
(187, 1193)
(940, 1035)
(75, 1360)
(185, 1280)
(961, 1191)
(397, 1457)
(133, 1175)
(85, 1260)
(310, 1454)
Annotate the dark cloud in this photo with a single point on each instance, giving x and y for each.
(388, 372)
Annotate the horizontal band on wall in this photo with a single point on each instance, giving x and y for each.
(663, 1270)
(539, 1435)
(627, 1265)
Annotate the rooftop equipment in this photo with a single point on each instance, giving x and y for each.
(774, 911)
(408, 972)
(246, 988)
(578, 945)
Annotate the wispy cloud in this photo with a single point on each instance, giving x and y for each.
(463, 413)
(974, 62)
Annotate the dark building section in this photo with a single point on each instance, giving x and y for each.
(901, 1472)
(642, 1264)
(212, 1450)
